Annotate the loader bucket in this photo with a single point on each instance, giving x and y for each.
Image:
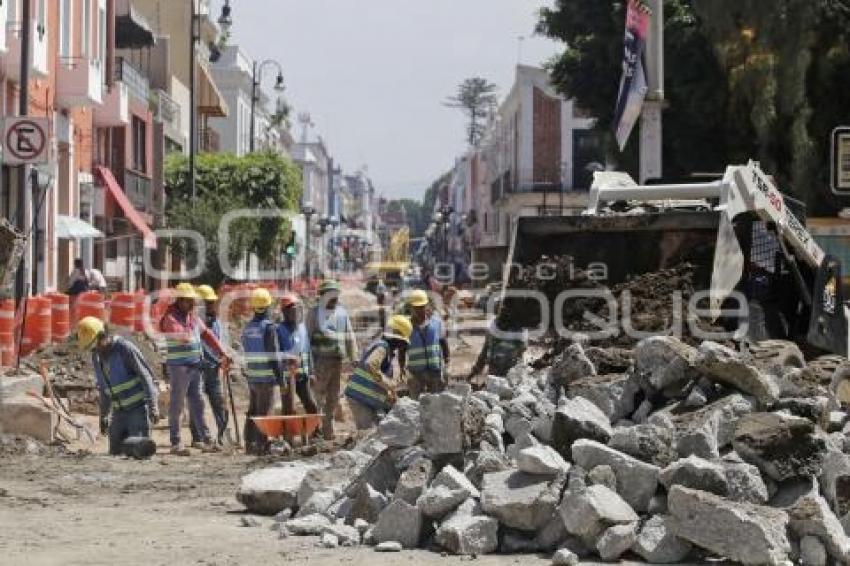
(627, 245)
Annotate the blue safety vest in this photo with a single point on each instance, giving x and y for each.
(115, 377)
(295, 342)
(179, 353)
(362, 386)
(258, 361)
(211, 359)
(424, 352)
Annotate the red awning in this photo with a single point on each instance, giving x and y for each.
(129, 211)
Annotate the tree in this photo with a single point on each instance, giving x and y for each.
(476, 97)
(742, 82)
(225, 182)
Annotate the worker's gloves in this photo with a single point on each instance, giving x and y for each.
(104, 425)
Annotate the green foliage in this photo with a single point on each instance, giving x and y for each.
(224, 183)
(742, 81)
(476, 97)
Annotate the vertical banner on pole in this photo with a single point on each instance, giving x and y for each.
(633, 85)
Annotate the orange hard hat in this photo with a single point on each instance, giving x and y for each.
(288, 300)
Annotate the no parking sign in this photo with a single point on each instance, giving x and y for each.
(25, 140)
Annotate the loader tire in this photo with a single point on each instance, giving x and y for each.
(777, 356)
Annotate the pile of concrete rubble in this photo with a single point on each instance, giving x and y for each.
(685, 453)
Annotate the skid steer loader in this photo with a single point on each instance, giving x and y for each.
(742, 234)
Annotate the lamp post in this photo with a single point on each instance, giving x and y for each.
(225, 22)
(324, 222)
(256, 80)
(307, 210)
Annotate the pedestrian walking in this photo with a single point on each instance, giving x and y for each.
(264, 368)
(371, 389)
(211, 368)
(428, 353)
(332, 341)
(294, 344)
(125, 383)
(184, 334)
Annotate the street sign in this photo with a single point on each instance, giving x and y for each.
(25, 141)
(840, 161)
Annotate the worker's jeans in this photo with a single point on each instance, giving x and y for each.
(212, 388)
(328, 377)
(260, 405)
(365, 418)
(186, 383)
(126, 424)
(305, 395)
(426, 381)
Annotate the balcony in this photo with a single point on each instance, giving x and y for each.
(79, 82)
(210, 140)
(137, 83)
(38, 64)
(139, 189)
(167, 110)
(115, 110)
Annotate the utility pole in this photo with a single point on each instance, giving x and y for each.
(194, 34)
(651, 131)
(24, 208)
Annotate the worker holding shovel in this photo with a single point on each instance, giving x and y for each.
(128, 396)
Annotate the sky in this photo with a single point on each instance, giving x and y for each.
(373, 73)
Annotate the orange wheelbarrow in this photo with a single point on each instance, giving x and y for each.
(290, 426)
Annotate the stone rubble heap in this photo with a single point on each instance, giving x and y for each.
(690, 453)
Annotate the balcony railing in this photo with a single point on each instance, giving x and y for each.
(137, 83)
(210, 140)
(167, 110)
(139, 190)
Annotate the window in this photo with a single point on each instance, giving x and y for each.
(85, 40)
(12, 11)
(66, 17)
(140, 147)
(101, 35)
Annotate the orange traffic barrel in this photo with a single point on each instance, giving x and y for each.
(7, 332)
(139, 303)
(60, 311)
(90, 303)
(37, 327)
(122, 311)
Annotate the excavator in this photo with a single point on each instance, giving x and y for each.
(740, 231)
(395, 264)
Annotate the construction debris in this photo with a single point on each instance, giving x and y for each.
(564, 459)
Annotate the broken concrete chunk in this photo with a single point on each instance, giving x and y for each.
(614, 394)
(520, 501)
(399, 522)
(723, 365)
(367, 504)
(565, 557)
(454, 479)
(345, 535)
(498, 386)
(745, 483)
(666, 361)
(271, 490)
(589, 512)
(389, 546)
(835, 482)
(437, 502)
(414, 481)
(811, 515)
(615, 541)
(311, 525)
(541, 460)
(402, 426)
(469, 534)
(812, 552)
(570, 365)
(781, 446)
(657, 545)
(442, 423)
(603, 475)
(637, 481)
(749, 534)
(696, 473)
(646, 442)
(575, 419)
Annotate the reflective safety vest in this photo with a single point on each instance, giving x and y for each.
(125, 389)
(295, 342)
(328, 338)
(504, 354)
(424, 352)
(180, 353)
(258, 361)
(362, 385)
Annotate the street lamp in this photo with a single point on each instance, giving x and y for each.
(225, 21)
(324, 222)
(256, 80)
(307, 210)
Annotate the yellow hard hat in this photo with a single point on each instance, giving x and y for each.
(206, 293)
(88, 330)
(417, 298)
(399, 327)
(261, 299)
(328, 286)
(185, 291)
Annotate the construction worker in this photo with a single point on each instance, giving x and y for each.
(370, 390)
(211, 367)
(428, 354)
(503, 349)
(264, 368)
(332, 341)
(294, 344)
(126, 385)
(184, 333)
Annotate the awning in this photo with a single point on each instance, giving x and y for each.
(73, 228)
(210, 101)
(127, 207)
(132, 30)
